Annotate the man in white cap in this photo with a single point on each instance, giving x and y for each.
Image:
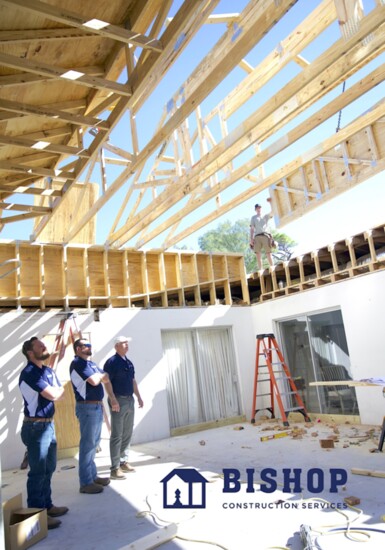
(122, 375)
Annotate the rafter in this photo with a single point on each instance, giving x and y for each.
(41, 35)
(58, 174)
(54, 112)
(72, 75)
(277, 109)
(28, 78)
(96, 26)
(280, 176)
(42, 145)
(372, 80)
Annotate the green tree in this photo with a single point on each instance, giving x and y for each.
(235, 237)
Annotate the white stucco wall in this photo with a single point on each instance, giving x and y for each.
(144, 326)
(361, 300)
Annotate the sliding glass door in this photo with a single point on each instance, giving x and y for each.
(315, 349)
(202, 382)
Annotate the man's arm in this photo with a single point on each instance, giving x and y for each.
(103, 378)
(251, 233)
(52, 393)
(110, 392)
(136, 392)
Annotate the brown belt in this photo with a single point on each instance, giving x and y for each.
(37, 419)
(89, 402)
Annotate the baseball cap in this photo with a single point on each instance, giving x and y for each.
(121, 339)
(257, 206)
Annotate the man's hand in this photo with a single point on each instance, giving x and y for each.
(115, 407)
(268, 200)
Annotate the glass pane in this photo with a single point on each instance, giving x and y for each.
(332, 362)
(297, 353)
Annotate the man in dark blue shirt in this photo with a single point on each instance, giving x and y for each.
(87, 382)
(122, 375)
(40, 387)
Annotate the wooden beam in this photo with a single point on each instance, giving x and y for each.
(175, 38)
(41, 35)
(21, 79)
(95, 26)
(367, 83)
(287, 50)
(350, 383)
(259, 18)
(20, 217)
(58, 174)
(25, 143)
(53, 112)
(25, 208)
(272, 180)
(369, 473)
(68, 75)
(24, 190)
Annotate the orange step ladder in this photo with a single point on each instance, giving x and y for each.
(67, 328)
(281, 385)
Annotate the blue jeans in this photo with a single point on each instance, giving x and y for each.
(40, 440)
(90, 418)
(122, 424)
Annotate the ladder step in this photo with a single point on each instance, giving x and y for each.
(277, 371)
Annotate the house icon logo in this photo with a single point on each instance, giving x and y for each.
(184, 488)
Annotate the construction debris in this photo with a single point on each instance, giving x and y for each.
(327, 443)
(352, 501)
(370, 473)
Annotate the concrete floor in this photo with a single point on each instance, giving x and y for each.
(132, 509)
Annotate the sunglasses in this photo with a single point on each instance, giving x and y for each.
(86, 345)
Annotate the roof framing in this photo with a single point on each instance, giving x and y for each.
(70, 73)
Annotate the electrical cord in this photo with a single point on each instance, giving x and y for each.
(157, 519)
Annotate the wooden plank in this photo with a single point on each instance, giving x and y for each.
(155, 539)
(175, 38)
(350, 383)
(53, 113)
(32, 35)
(369, 473)
(287, 50)
(24, 143)
(55, 72)
(95, 26)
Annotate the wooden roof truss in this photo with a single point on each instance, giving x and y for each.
(70, 73)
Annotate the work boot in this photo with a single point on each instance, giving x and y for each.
(52, 523)
(91, 489)
(104, 481)
(125, 467)
(56, 511)
(117, 474)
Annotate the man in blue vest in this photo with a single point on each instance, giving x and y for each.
(87, 382)
(122, 375)
(40, 387)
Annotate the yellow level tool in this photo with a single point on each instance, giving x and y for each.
(275, 436)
